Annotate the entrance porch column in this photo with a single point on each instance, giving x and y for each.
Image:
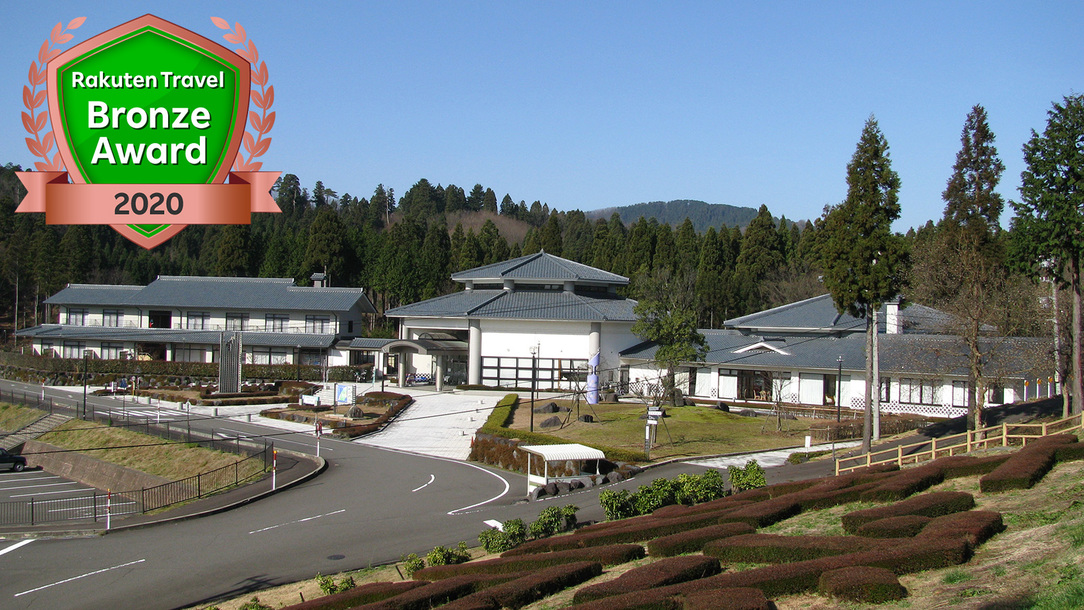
(474, 353)
(440, 374)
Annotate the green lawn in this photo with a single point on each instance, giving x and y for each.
(686, 431)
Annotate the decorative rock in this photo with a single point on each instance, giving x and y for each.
(551, 422)
(587, 419)
(576, 484)
(563, 487)
(615, 477)
(551, 489)
(536, 493)
(549, 407)
(747, 413)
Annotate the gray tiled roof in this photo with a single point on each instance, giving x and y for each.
(62, 332)
(900, 354)
(217, 293)
(520, 305)
(819, 314)
(369, 343)
(541, 267)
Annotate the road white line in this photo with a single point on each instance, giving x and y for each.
(341, 510)
(17, 545)
(494, 524)
(41, 485)
(23, 479)
(66, 580)
(53, 493)
(432, 478)
(496, 497)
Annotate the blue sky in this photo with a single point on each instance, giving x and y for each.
(594, 104)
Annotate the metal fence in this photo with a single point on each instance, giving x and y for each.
(96, 506)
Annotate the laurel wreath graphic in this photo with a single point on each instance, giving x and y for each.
(257, 144)
(40, 145)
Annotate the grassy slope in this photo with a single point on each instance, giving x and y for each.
(692, 430)
(14, 417)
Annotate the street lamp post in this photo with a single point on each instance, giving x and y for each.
(839, 387)
(298, 363)
(86, 363)
(534, 375)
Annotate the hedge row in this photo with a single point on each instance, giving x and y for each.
(927, 505)
(903, 526)
(693, 541)
(365, 594)
(975, 526)
(635, 531)
(772, 548)
(1026, 467)
(765, 513)
(905, 483)
(680, 510)
(727, 599)
(607, 555)
(529, 588)
(968, 466)
(437, 593)
(861, 584)
(652, 576)
(802, 576)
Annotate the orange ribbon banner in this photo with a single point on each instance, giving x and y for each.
(116, 204)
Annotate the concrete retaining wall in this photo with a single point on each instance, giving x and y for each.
(86, 469)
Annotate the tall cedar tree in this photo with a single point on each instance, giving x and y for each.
(1049, 226)
(861, 256)
(960, 267)
(666, 314)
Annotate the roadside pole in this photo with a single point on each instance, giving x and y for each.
(274, 469)
(108, 506)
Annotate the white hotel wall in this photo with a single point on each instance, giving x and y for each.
(514, 338)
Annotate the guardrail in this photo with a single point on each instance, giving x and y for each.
(1002, 435)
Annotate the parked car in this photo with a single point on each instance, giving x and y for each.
(18, 462)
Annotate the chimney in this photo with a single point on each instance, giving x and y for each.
(893, 322)
(318, 280)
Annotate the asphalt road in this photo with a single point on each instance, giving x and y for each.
(370, 507)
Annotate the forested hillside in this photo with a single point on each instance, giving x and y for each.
(702, 214)
(404, 249)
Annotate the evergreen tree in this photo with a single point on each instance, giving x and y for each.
(762, 254)
(234, 252)
(861, 254)
(455, 199)
(1048, 228)
(489, 201)
(666, 314)
(476, 197)
(326, 244)
(688, 246)
(665, 253)
(508, 207)
(551, 236)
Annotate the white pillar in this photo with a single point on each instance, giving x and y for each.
(474, 353)
(440, 373)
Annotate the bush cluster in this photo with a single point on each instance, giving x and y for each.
(1025, 468)
(512, 534)
(529, 588)
(749, 477)
(975, 526)
(444, 556)
(693, 541)
(553, 520)
(685, 489)
(330, 587)
(364, 594)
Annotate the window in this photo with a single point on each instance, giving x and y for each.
(997, 395)
(317, 324)
(112, 317)
(188, 354)
(555, 373)
(920, 391)
(77, 317)
(276, 322)
(886, 389)
(199, 320)
(73, 349)
(47, 348)
(270, 355)
(111, 351)
(236, 321)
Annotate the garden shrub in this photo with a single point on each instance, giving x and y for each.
(512, 534)
(656, 494)
(976, 526)
(437, 593)
(772, 548)
(693, 541)
(861, 584)
(659, 574)
(614, 554)
(364, 594)
(330, 587)
(444, 556)
(617, 504)
(412, 563)
(1023, 469)
(553, 520)
(903, 526)
(1069, 452)
(956, 466)
(745, 598)
(905, 483)
(763, 514)
(531, 587)
(749, 477)
(640, 600)
(927, 505)
(692, 489)
(818, 498)
(784, 489)
(660, 493)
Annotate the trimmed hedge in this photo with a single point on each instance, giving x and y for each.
(365, 594)
(1023, 469)
(652, 576)
(903, 526)
(906, 483)
(744, 598)
(975, 526)
(927, 505)
(607, 555)
(529, 588)
(693, 541)
(968, 466)
(862, 584)
(772, 548)
(680, 510)
(763, 514)
(437, 593)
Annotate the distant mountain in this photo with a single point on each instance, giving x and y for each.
(702, 214)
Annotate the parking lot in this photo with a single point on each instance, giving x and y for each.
(35, 496)
(38, 484)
